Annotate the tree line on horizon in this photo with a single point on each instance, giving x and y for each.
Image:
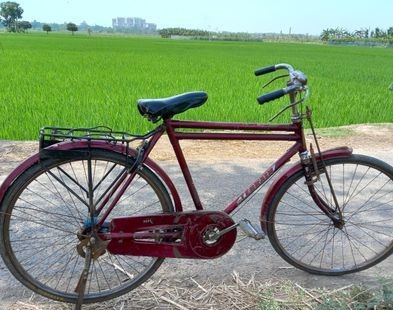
(332, 34)
(11, 15)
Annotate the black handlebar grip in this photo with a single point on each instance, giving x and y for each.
(271, 96)
(265, 70)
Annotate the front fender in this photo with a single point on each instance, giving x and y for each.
(72, 145)
(279, 181)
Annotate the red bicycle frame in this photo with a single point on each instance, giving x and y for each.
(176, 131)
(260, 132)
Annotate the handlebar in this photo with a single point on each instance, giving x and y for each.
(276, 94)
(297, 82)
(265, 70)
(273, 68)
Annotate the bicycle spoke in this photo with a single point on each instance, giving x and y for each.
(362, 209)
(300, 235)
(120, 258)
(57, 216)
(369, 199)
(133, 193)
(111, 186)
(45, 258)
(62, 172)
(55, 193)
(299, 248)
(366, 233)
(335, 231)
(49, 217)
(322, 251)
(71, 276)
(300, 199)
(69, 189)
(350, 186)
(74, 171)
(46, 280)
(357, 185)
(56, 242)
(39, 222)
(73, 256)
(114, 270)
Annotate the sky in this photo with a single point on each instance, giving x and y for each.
(262, 16)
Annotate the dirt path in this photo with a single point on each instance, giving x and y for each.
(362, 138)
(234, 165)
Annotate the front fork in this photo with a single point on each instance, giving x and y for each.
(313, 169)
(313, 176)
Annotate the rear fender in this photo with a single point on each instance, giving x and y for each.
(72, 145)
(340, 152)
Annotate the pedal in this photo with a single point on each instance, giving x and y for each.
(250, 230)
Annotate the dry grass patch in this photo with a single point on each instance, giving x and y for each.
(238, 294)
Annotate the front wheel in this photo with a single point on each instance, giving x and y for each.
(45, 218)
(308, 239)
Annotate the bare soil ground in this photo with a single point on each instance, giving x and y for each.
(360, 137)
(248, 258)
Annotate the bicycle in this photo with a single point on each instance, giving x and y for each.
(91, 217)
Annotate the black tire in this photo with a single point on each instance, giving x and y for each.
(42, 212)
(306, 238)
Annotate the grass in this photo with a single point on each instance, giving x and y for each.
(241, 293)
(65, 80)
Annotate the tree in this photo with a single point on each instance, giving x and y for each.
(360, 34)
(10, 12)
(390, 32)
(168, 32)
(165, 33)
(325, 35)
(46, 28)
(379, 33)
(23, 26)
(72, 27)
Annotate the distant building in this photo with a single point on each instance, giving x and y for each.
(124, 23)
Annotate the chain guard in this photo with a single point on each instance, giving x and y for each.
(176, 235)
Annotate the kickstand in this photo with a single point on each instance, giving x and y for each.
(81, 286)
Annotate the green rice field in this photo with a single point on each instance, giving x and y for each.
(82, 81)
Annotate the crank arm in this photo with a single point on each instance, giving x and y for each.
(214, 236)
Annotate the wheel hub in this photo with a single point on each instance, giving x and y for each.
(339, 224)
(88, 238)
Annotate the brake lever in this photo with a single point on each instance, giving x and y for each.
(275, 78)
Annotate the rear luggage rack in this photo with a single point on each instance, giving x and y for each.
(53, 135)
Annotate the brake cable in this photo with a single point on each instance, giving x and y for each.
(274, 79)
(291, 105)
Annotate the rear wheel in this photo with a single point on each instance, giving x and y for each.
(45, 215)
(307, 238)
